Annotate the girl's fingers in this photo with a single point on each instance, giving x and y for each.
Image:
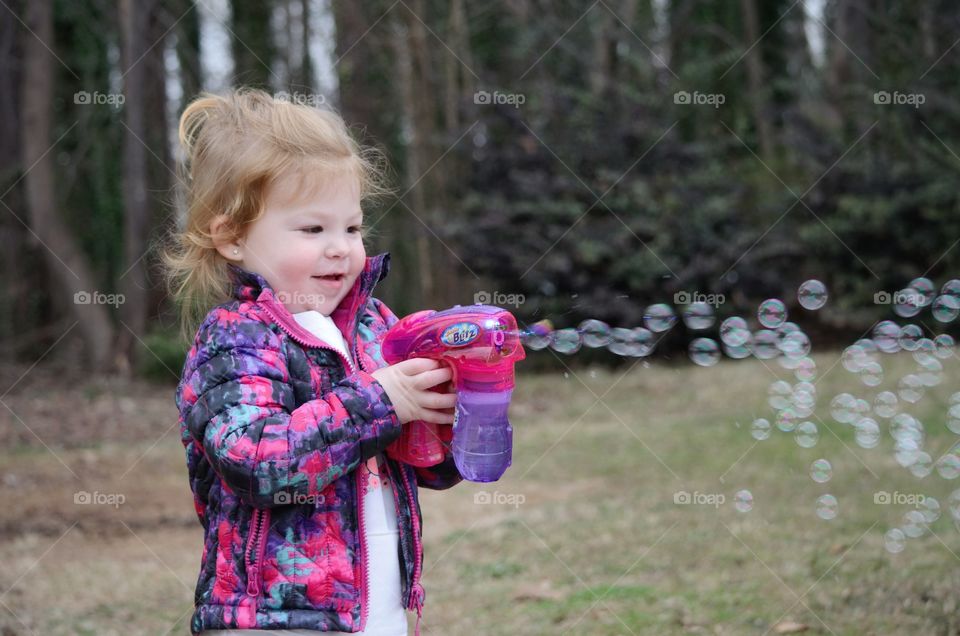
(432, 378)
(436, 417)
(434, 400)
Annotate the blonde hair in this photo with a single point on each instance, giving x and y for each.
(235, 145)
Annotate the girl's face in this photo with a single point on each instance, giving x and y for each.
(307, 243)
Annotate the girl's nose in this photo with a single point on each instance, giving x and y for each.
(337, 247)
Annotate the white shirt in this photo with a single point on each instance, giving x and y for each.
(386, 615)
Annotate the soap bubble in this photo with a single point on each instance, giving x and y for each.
(908, 302)
(886, 335)
(922, 465)
(806, 369)
(948, 466)
(930, 509)
(821, 471)
(885, 404)
(659, 318)
(926, 288)
(910, 336)
(930, 371)
(537, 335)
(843, 408)
(871, 374)
(795, 345)
(734, 331)
(623, 342)
(868, 433)
(787, 420)
(910, 388)
(943, 346)
(779, 394)
(704, 352)
(945, 308)
(743, 501)
(894, 540)
(595, 333)
(812, 295)
(827, 507)
(644, 342)
(698, 316)
(806, 435)
(953, 502)
(914, 524)
(765, 344)
(951, 288)
(565, 341)
(760, 429)
(772, 313)
(953, 419)
(737, 352)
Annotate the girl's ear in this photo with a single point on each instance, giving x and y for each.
(224, 240)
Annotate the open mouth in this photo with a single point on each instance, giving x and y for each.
(332, 277)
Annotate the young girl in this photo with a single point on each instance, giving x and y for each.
(286, 405)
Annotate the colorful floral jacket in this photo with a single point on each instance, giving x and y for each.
(274, 422)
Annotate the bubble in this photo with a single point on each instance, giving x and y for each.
(948, 466)
(926, 287)
(843, 408)
(595, 333)
(885, 404)
(734, 331)
(743, 501)
(623, 342)
(886, 335)
(787, 420)
(821, 471)
(943, 346)
(795, 345)
(908, 302)
(537, 335)
(854, 357)
(871, 373)
(698, 316)
(772, 313)
(806, 369)
(951, 288)
(779, 394)
(930, 371)
(812, 295)
(659, 318)
(910, 336)
(827, 507)
(760, 429)
(704, 352)
(953, 418)
(953, 502)
(737, 352)
(955, 398)
(894, 540)
(930, 509)
(867, 433)
(910, 388)
(945, 308)
(806, 435)
(914, 524)
(565, 341)
(644, 342)
(922, 465)
(765, 344)
(787, 328)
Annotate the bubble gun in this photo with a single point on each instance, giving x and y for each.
(480, 343)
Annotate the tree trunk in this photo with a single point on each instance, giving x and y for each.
(755, 75)
(67, 266)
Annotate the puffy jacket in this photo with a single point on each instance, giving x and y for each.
(274, 421)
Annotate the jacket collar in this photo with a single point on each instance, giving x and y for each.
(250, 286)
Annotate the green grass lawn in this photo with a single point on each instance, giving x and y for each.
(583, 535)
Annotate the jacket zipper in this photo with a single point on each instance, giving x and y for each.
(256, 546)
(417, 593)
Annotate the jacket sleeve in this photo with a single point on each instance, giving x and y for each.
(445, 474)
(238, 403)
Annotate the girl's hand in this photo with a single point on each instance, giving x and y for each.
(408, 385)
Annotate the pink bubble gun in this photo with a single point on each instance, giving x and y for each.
(481, 344)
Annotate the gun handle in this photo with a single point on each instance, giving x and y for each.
(420, 444)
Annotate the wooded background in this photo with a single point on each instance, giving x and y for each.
(544, 149)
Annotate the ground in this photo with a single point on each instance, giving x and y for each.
(583, 534)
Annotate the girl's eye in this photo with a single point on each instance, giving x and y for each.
(313, 229)
(357, 229)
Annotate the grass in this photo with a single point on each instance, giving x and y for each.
(592, 541)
